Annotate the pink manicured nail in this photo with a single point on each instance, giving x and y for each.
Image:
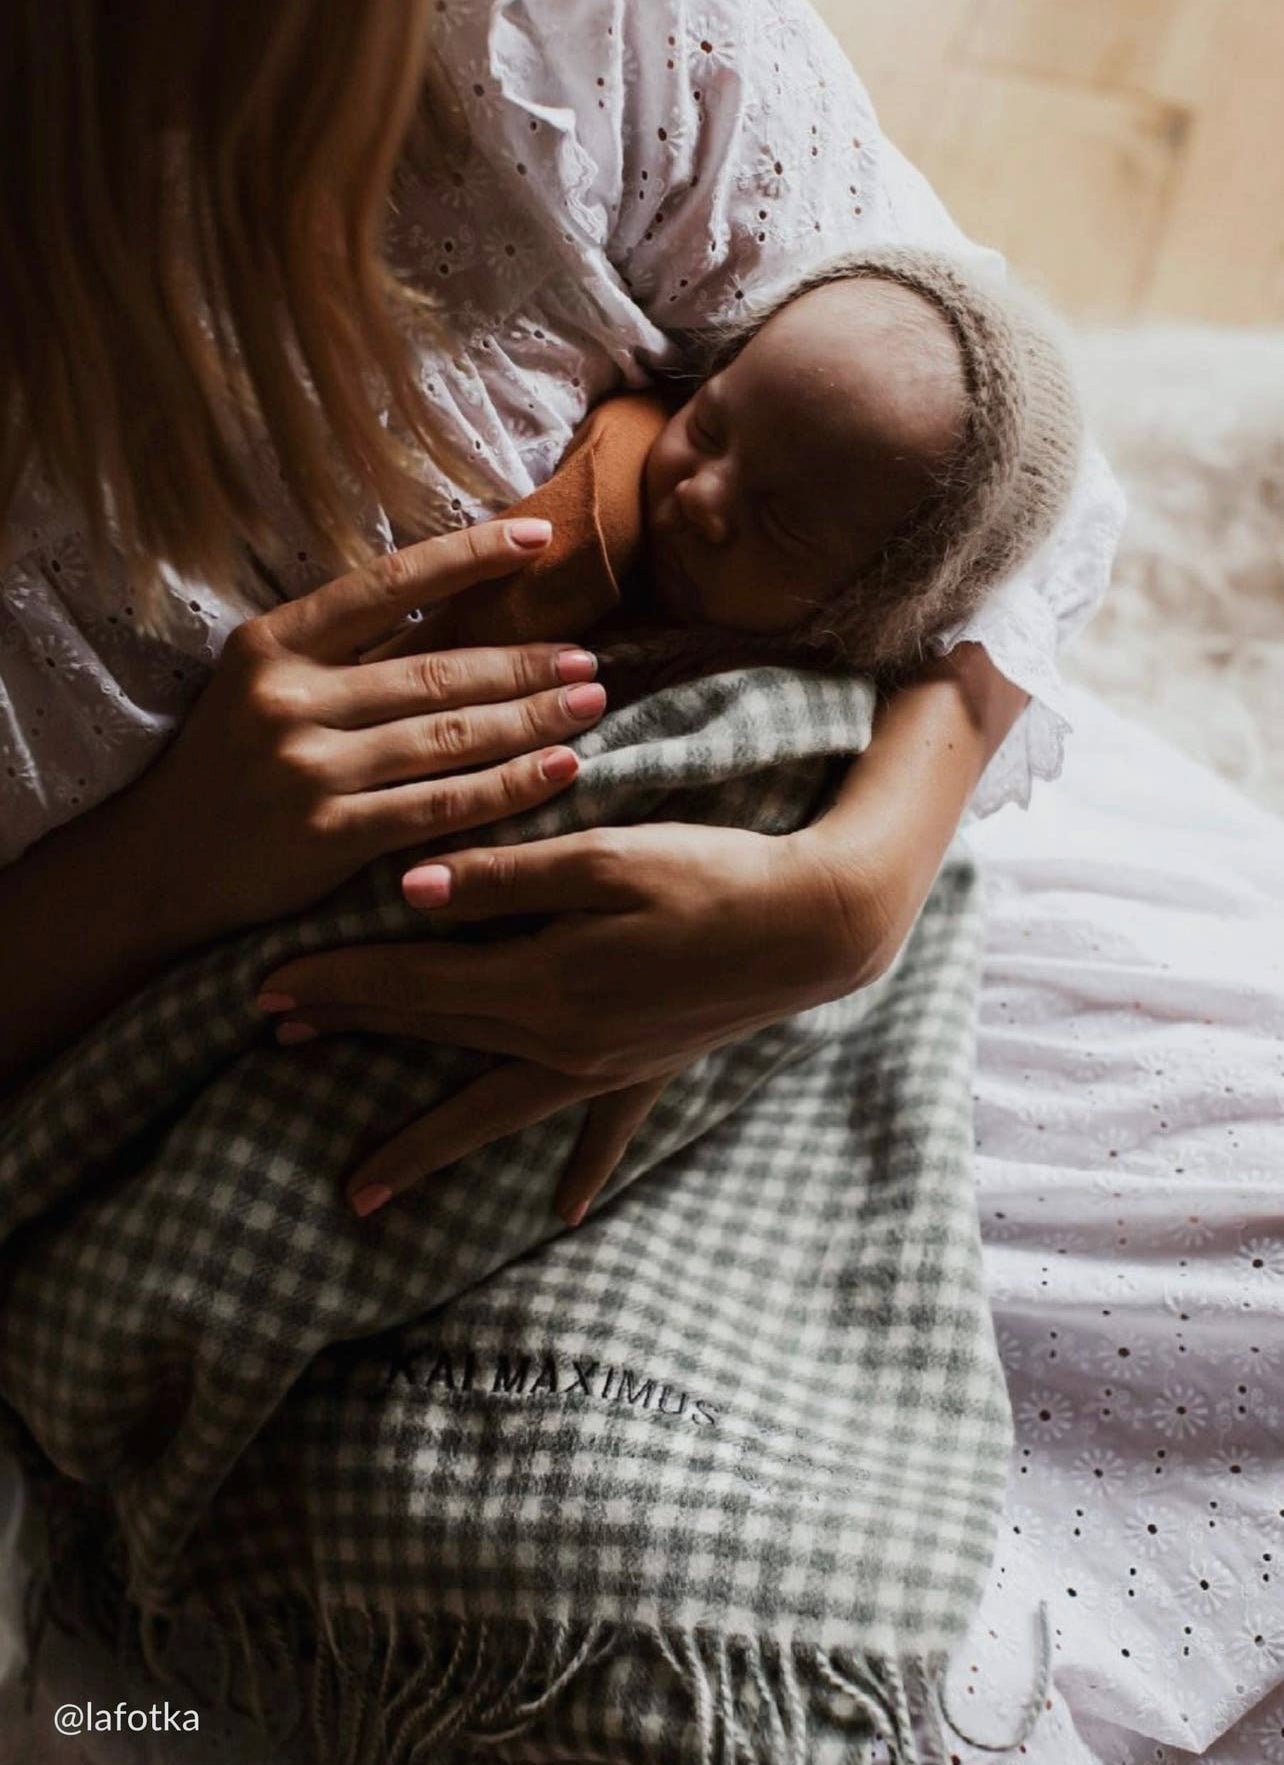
(426, 887)
(576, 665)
(290, 1033)
(530, 533)
(585, 701)
(558, 765)
(275, 1002)
(370, 1199)
(574, 1215)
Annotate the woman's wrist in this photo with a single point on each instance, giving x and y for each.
(878, 847)
(100, 913)
(177, 895)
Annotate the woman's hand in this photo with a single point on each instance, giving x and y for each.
(668, 941)
(299, 763)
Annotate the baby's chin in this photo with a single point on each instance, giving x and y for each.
(672, 590)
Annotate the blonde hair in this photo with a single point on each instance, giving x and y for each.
(192, 202)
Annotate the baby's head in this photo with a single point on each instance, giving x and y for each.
(794, 465)
(862, 462)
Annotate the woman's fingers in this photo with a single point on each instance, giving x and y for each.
(500, 1102)
(589, 872)
(336, 622)
(404, 815)
(443, 741)
(410, 980)
(487, 1035)
(610, 1125)
(442, 680)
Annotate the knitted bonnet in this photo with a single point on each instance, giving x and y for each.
(1005, 485)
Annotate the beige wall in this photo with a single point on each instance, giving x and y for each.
(1126, 155)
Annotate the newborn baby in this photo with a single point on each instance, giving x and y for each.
(857, 467)
(780, 482)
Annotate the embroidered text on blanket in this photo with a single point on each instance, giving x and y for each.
(515, 1373)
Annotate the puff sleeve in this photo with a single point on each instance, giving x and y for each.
(720, 151)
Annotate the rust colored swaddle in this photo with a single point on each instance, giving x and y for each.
(595, 503)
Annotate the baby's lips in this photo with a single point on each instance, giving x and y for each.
(677, 591)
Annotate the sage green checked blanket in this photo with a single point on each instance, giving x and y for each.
(714, 1477)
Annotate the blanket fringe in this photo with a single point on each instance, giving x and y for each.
(365, 1687)
(1034, 1707)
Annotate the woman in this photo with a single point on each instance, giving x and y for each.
(589, 184)
(589, 209)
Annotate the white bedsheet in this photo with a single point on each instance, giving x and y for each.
(1130, 1166)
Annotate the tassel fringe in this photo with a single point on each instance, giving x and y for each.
(365, 1687)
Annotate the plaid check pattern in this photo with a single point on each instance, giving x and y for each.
(720, 1469)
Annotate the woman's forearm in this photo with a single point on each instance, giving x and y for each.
(90, 913)
(900, 804)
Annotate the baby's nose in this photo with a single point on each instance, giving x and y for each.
(702, 501)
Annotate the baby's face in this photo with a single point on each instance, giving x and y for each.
(788, 471)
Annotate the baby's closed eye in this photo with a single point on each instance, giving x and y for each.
(788, 529)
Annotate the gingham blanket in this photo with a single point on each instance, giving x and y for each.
(719, 1470)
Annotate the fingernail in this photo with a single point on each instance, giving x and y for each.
(275, 1002)
(558, 765)
(576, 665)
(290, 1033)
(370, 1199)
(428, 887)
(584, 701)
(530, 533)
(574, 1215)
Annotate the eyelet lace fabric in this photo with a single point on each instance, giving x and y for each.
(629, 171)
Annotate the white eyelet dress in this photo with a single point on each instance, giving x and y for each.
(634, 169)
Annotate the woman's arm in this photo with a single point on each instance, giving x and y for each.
(667, 940)
(294, 769)
(900, 804)
(90, 913)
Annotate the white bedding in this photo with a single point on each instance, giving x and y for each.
(1130, 1166)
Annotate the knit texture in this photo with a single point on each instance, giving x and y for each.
(1005, 487)
(715, 1476)
(1007, 484)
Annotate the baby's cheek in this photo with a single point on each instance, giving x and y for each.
(798, 590)
(745, 596)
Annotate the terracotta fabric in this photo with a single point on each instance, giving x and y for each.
(595, 502)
